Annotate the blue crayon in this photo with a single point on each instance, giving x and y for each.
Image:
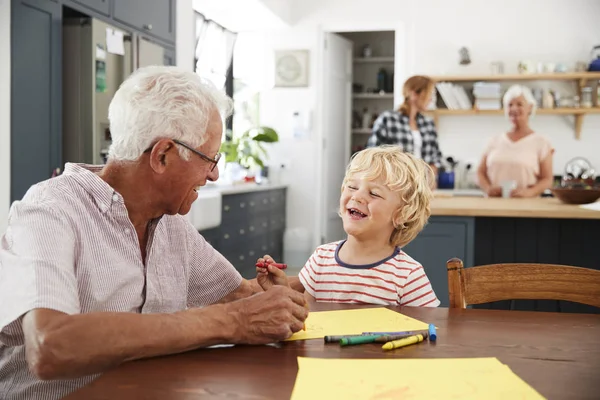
(432, 333)
(396, 333)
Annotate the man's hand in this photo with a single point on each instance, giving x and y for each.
(269, 316)
(270, 276)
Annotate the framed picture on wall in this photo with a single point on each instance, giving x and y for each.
(291, 68)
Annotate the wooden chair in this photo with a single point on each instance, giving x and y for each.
(494, 282)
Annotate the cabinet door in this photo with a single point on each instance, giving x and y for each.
(156, 17)
(36, 137)
(442, 239)
(102, 6)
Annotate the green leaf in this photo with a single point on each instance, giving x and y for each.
(263, 134)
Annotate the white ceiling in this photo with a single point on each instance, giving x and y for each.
(246, 15)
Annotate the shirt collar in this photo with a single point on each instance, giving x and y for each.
(87, 177)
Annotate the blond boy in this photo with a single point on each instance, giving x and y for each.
(385, 203)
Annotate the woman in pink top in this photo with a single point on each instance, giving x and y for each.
(520, 157)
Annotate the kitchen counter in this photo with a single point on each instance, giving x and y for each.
(241, 187)
(517, 208)
(482, 231)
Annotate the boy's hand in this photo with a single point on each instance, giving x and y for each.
(270, 276)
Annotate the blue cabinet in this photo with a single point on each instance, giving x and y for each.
(36, 119)
(252, 225)
(101, 6)
(442, 239)
(154, 18)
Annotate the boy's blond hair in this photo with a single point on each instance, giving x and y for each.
(404, 174)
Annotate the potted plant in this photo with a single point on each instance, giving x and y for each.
(247, 149)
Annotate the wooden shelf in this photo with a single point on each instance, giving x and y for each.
(373, 96)
(362, 131)
(581, 78)
(578, 113)
(520, 77)
(539, 111)
(370, 60)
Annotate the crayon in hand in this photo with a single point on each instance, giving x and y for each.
(276, 265)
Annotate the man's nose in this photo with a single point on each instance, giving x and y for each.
(213, 175)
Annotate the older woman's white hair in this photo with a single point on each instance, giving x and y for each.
(515, 91)
(162, 102)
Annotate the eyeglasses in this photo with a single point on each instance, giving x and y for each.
(213, 161)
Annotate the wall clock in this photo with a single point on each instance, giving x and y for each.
(291, 68)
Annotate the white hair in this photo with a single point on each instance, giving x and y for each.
(515, 91)
(162, 102)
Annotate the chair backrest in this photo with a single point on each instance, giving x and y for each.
(494, 282)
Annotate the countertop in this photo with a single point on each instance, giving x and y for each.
(240, 187)
(500, 207)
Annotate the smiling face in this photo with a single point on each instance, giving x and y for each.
(367, 208)
(183, 178)
(519, 110)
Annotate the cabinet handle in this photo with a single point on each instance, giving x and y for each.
(264, 224)
(148, 26)
(242, 205)
(226, 236)
(264, 247)
(251, 253)
(226, 208)
(251, 204)
(242, 231)
(242, 257)
(251, 229)
(265, 201)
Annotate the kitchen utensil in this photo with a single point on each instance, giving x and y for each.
(574, 195)
(579, 172)
(595, 59)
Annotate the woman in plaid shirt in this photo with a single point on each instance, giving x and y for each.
(408, 127)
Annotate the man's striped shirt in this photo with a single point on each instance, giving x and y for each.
(396, 280)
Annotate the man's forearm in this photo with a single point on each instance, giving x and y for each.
(61, 346)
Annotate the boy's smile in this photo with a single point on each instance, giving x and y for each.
(367, 208)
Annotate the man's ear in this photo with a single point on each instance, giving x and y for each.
(160, 155)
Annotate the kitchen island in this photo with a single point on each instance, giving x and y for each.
(482, 230)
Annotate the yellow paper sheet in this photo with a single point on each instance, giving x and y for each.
(475, 378)
(354, 322)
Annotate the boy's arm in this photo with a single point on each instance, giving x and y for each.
(417, 290)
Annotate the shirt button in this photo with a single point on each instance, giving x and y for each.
(127, 231)
(103, 207)
(115, 197)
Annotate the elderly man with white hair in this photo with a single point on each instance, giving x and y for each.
(99, 266)
(520, 158)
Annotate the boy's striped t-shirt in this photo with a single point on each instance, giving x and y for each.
(396, 280)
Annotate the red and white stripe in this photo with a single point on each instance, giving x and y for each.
(70, 246)
(397, 281)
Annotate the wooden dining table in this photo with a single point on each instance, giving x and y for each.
(558, 354)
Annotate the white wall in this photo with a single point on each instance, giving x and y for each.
(185, 34)
(543, 30)
(4, 112)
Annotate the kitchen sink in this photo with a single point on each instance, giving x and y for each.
(206, 210)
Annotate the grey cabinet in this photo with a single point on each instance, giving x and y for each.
(156, 17)
(35, 92)
(101, 6)
(252, 225)
(442, 239)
